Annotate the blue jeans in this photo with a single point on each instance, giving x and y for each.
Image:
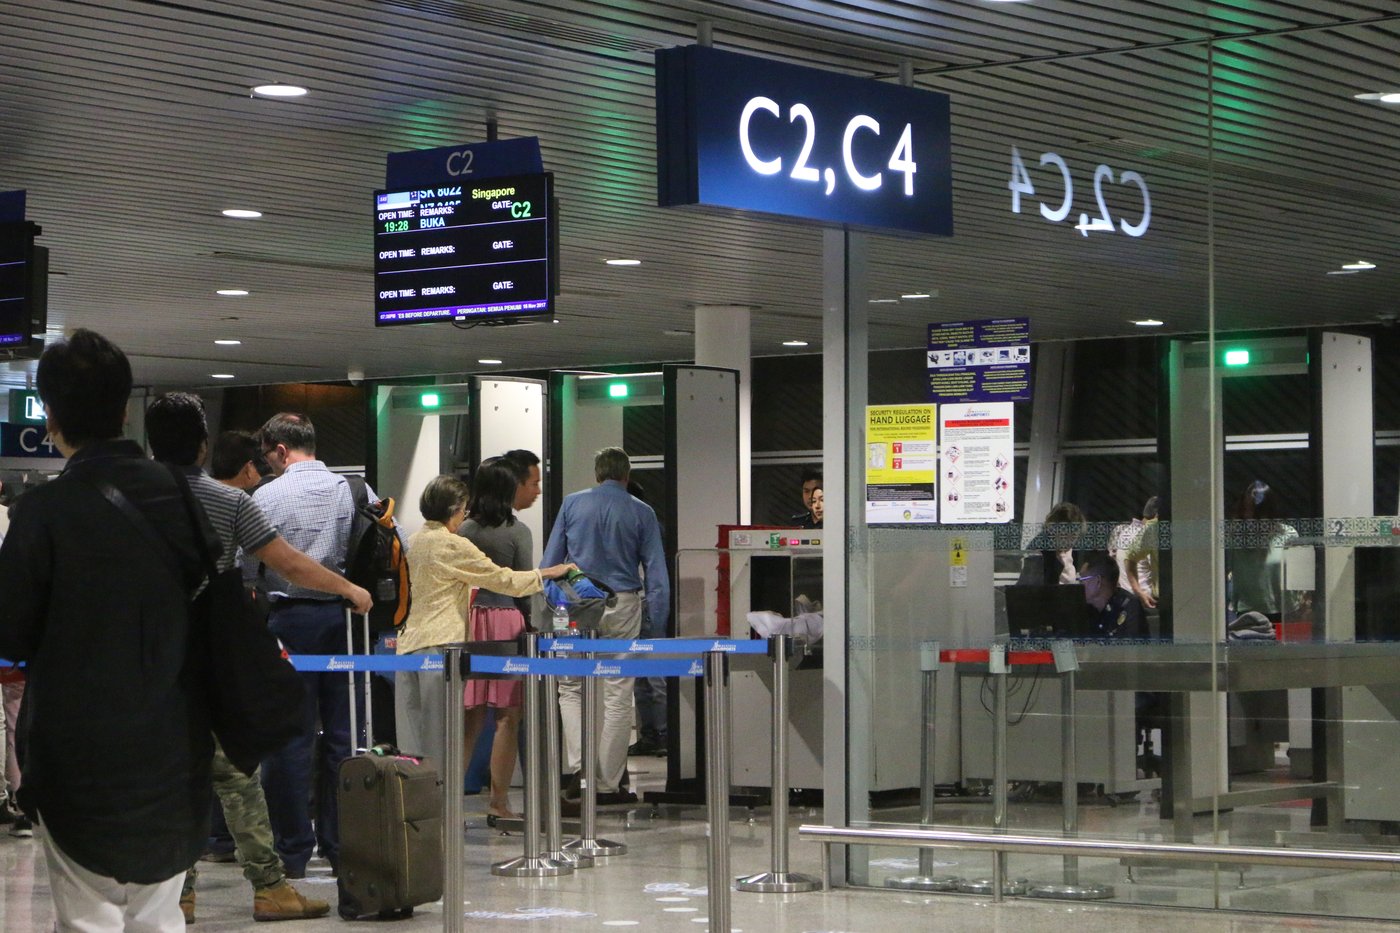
(310, 628)
(649, 693)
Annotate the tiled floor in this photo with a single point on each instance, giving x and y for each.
(659, 885)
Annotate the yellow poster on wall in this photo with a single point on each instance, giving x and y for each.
(901, 464)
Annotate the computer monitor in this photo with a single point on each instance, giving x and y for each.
(1040, 611)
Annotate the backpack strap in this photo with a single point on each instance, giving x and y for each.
(359, 490)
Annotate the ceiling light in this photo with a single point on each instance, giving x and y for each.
(232, 292)
(623, 262)
(1391, 98)
(917, 295)
(884, 301)
(279, 90)
(1148, 322)
(677, 333)
(489, 362)
(227, 343)
(1342, 272)
(1360, 265)
(794, 343)
(221, 375)
(241, 214)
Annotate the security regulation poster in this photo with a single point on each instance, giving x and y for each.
(980, 361)
(901, 464)
(977, 473)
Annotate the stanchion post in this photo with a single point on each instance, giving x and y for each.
(554, 833)
(1066, 664)
(717, 786)
(778, 880)
(532, 864)
(998, 665)
(588, 844)
(926, 880)
(454, 860)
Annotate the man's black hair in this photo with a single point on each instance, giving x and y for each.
(175, 428)
(809, 474)
(1099, 564)
(84, 383)
(231, 450)
(523, 459)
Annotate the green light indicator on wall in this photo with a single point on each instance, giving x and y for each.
(617, 390)
(1236, 357)
(430, 400)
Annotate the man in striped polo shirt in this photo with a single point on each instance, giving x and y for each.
(179, 435)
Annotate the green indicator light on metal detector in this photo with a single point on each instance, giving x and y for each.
(617, 390)
(1236, 357)
(430, 400)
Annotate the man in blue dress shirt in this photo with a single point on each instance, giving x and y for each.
(615, 539)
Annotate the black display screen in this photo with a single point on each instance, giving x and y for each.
(20, 287)
(464, 252)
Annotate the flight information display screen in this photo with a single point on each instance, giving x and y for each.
(464, 252)
(21, 287)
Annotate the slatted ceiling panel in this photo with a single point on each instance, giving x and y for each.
(164, 89)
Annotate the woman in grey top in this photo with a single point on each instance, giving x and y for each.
(491, 526)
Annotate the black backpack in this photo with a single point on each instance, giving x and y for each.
(375, 558)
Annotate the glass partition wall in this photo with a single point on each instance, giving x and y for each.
(1201, 237)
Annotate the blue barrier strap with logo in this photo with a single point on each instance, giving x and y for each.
(599, 667)
(340, 663)
(681, 646)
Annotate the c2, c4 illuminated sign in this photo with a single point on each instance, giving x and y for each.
(741, 132)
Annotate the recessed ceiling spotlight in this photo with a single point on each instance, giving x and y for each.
(794, 343)
(232, 292)
(489, 362)
(1148, 322)
(884, 301)
(228, 343)
(221, 375)
(623, 262)
(279, 90)
(917, 295)
(1360, 265)
(239, 213)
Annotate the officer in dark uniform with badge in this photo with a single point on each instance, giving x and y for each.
(1113, 612)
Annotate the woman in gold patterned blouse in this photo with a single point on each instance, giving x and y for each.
(443, 567)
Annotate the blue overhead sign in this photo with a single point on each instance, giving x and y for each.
(468, 162)
(741, 132)
(30, 441)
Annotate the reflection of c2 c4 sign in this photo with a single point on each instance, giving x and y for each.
(1021, 184)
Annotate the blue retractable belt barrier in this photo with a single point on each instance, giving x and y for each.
(662, 646)
(580, 667)
(498, 664)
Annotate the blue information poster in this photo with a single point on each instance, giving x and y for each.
(980, 361)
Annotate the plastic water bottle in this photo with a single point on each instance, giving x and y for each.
(561, 618)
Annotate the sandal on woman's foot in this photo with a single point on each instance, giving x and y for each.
(493, 816)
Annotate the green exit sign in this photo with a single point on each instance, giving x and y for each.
(1236, 357)
(25, 408)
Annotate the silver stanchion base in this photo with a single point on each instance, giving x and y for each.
(927, 883)
(571, 857)
(596, 848)
(1073, 892)
(537, 867)
(778, 882)
(984, 886)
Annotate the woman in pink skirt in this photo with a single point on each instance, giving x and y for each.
(492, 527)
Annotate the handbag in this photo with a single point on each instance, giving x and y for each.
(254, 696)
(585, 597)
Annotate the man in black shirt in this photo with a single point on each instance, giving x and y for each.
(114, 739)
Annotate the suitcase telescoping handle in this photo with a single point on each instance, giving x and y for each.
(368, 704)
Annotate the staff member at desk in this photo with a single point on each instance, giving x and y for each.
(1113, 612)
